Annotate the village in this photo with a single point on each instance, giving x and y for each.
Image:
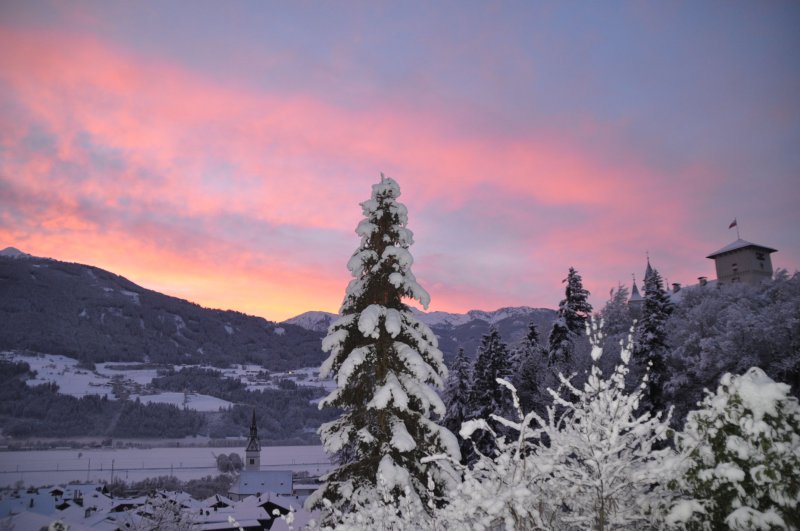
(257, 500)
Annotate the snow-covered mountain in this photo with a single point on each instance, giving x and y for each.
(458, 330)
(319, 321)
(313, 320)
(439, 319)
(13, 252)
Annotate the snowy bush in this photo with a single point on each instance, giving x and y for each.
(605, 468)
(742, 458)
(589, 464)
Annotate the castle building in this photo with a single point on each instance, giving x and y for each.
(742, 261)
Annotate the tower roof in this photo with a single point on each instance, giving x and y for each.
(648, 272)
(635, 296)
(740, 244)
(253, 444)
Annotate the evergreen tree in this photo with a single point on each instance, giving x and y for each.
(650, 342)
(456, 397)
(573, 311)
(616, 315)
(740, 458)
(716, 331)
(384, 362)
(530, 372)
(487, 397)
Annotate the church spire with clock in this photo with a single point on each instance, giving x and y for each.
(252, 453)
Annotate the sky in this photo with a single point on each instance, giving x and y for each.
(218, 151)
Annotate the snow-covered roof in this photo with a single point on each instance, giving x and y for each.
(96, 515)
(740, 244)
(263, 481)
(217, 499)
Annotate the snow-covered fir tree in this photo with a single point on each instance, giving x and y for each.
(385, 364)
(487, 397)
(456, 396)
(530, 371)
(573, 311)
(741, 452)
(583, 465)
(650, 338)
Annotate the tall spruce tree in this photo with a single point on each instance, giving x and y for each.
(573, 311)
(487, 397)
(650, 337)
(456, 397)
(385, 364)
(530, 374)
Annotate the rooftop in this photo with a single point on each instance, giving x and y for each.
(740, 244)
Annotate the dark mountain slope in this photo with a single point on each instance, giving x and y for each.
(91, 314)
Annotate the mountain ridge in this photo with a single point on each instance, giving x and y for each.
(91, 314)
(454, 330)
(94, 315)
(319, 320)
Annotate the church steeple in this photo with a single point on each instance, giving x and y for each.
(253, 451)
(636, 301)
(649, 271)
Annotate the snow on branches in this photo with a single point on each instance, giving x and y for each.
(386, 365)
(742, 457)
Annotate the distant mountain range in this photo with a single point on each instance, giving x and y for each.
(91, 314)
(456, 330)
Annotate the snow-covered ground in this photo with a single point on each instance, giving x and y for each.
(189, 400)
(141, 376)
(46, 467)
(78, 382)
(64, 371)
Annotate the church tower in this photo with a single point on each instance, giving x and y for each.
(252, 453)
(636, 301)
(742, 261)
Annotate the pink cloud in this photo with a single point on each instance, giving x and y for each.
(154, 148)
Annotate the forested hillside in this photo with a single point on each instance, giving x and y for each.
(287, 415)
(718, 329)
(93, 315)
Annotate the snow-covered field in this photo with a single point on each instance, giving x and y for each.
(64, 371)
(47, 467)
(78, 382)
(189, 400)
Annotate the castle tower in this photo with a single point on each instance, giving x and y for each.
(742, 261)
(252, 454)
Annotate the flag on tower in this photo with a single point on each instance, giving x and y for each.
(733, 224)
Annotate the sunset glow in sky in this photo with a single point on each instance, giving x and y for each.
(217, 151)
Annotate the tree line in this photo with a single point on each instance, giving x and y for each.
(542, 436)
(285, 416)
